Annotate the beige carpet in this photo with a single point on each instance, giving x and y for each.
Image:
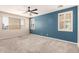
(35, 44)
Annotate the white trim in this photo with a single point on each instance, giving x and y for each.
(56, 39)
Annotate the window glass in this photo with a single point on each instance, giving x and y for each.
(5, 23)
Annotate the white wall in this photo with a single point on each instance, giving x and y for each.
(0, 23)
(7, 34)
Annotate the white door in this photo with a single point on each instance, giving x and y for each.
(32, 21)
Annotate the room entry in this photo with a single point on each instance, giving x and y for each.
(32, 24)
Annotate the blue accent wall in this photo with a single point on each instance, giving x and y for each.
(47, 25)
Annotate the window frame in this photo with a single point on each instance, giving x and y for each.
(64, 29)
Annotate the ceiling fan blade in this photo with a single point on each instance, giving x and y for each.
(34, 12)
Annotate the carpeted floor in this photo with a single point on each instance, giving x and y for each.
(36, 44)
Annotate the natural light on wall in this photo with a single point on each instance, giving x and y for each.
(9, 23)
(22, 23)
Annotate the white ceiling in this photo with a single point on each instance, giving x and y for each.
(19, 9)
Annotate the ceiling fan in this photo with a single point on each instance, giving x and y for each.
(33, 11)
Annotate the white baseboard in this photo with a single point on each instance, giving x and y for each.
(57, 39)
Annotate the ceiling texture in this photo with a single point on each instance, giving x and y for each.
(20, 9)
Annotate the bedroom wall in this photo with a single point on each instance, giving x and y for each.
(12, 33)
(25, 29)
(47, 25)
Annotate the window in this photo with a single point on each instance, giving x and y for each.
(12, 23)
(65, 21)
(5, 23)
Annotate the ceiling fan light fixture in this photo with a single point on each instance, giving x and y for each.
(60, 6)
(31, 12)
